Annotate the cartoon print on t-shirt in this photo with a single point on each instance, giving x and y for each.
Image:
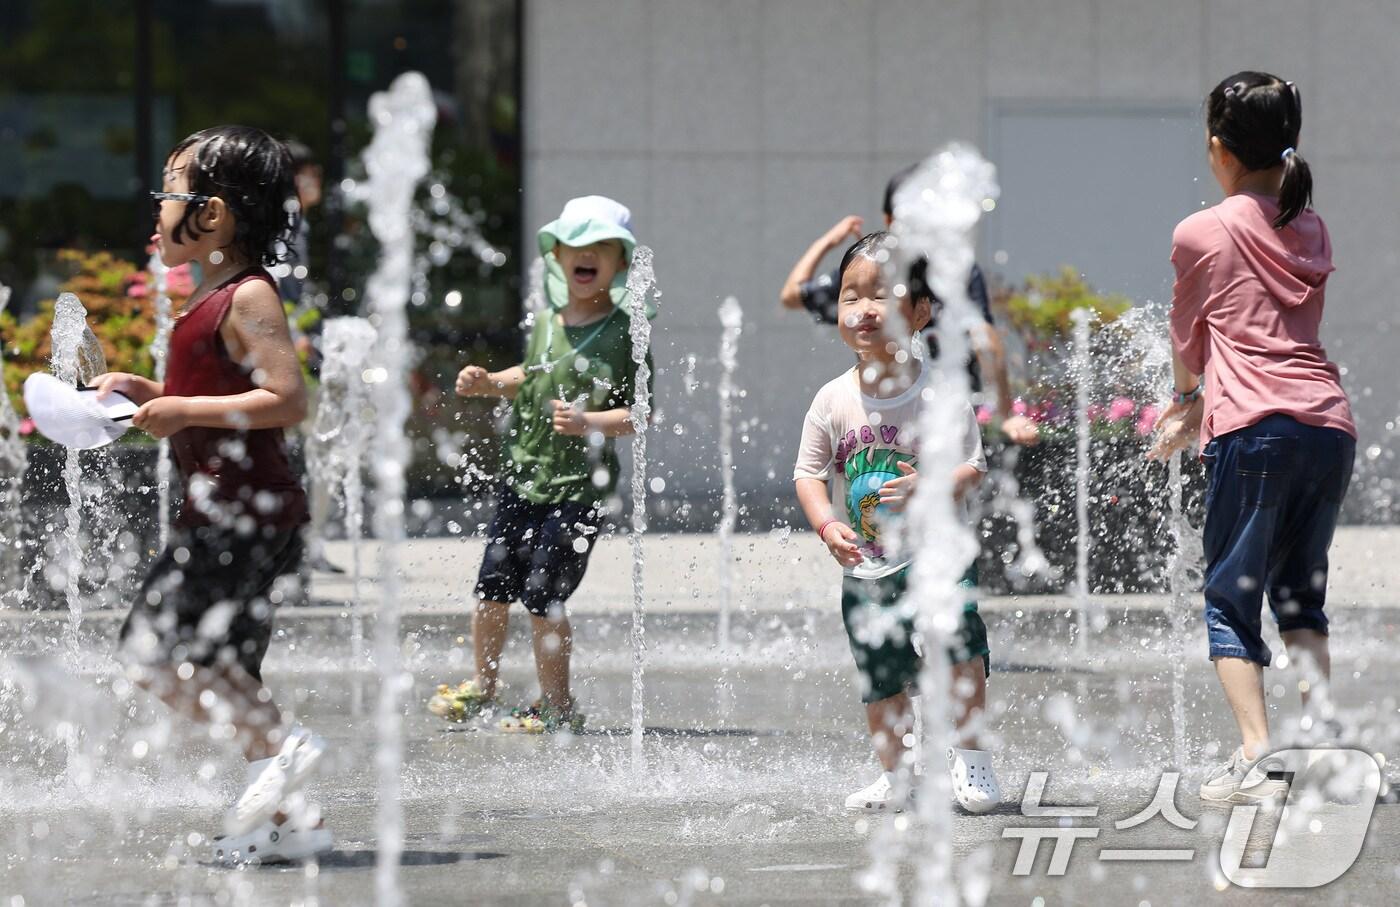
(865, 473)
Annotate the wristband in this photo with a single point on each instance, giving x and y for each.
(821, 531)
(1189, 397)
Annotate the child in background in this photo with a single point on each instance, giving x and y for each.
(1274, 422)
(859, 438)
(570, 399)
(197, 634)
(817, 293)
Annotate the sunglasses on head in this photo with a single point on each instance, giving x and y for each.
(158, 197)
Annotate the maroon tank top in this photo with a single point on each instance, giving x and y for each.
(229, 474)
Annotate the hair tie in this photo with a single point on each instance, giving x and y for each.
(1287, 153)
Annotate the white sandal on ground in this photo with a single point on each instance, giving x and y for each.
(270, 843)
(974, 781)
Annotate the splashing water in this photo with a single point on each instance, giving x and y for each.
(731, 317)
(640, 280)
(1150, 348)
(396, 159)
(77, 358)
(935, 211)
(535, 301)
(447, 227)
(14, 459)
(160, 353)
(1030, 563)
(340, 437)
(1181, 586)
(1083, 385)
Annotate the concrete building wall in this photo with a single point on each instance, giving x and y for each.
(739, 130)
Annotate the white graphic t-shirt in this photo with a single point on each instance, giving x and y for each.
(864, 438)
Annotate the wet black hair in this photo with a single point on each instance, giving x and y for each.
(893, 186)
(869, 245)
(254, 176)
(1257, 116)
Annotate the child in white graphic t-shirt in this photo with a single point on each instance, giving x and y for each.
(859, 449)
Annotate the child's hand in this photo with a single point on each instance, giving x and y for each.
(841, 542)
(1020, 430)
(162, 417)
(473, 381)
(847, 229)
(1176, 427)
(134, 387)
(897, 492)
(569, 419)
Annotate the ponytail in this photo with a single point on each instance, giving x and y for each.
(1295, 195)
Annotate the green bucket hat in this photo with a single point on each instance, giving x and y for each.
(584, 221)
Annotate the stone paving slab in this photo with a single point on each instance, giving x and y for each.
(771, 572)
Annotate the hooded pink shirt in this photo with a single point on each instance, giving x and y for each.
(1246, 308)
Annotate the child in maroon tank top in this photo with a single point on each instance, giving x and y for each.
(197, 633)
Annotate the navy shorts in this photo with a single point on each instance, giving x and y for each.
(1272, 501)
(536, 553)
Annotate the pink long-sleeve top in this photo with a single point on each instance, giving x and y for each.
(1246, 308)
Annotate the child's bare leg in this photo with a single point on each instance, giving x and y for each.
(969, 701)
(1308, 650)
(490, 623)
(554, 644)
(890, 720)
(1243, 682)
(222, 695)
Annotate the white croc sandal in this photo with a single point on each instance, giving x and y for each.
(272, 780)
(270, 843)
(878, 796)
(974, 782)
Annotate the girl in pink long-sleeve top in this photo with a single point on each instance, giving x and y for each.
(1275, 426)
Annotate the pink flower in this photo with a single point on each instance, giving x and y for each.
(26, 426)
(1147, 419)
(1095, 412)
(136, 290)
(1120, 409)
(1018, 408)
(984, 414)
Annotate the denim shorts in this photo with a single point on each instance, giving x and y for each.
(536, 553)
(1272, 501)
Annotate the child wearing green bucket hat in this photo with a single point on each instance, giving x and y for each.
(570, 399)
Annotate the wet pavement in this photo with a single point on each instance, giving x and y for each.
(749, 755)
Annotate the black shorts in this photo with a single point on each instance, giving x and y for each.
(536, 553)
(209, 598)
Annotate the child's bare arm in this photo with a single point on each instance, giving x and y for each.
(965, 478)
(840, 539)
(256, 335)
(991, 357)
(612, 423)
(806, 267)
(476, 381)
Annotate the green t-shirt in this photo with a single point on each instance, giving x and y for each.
(592, 361)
